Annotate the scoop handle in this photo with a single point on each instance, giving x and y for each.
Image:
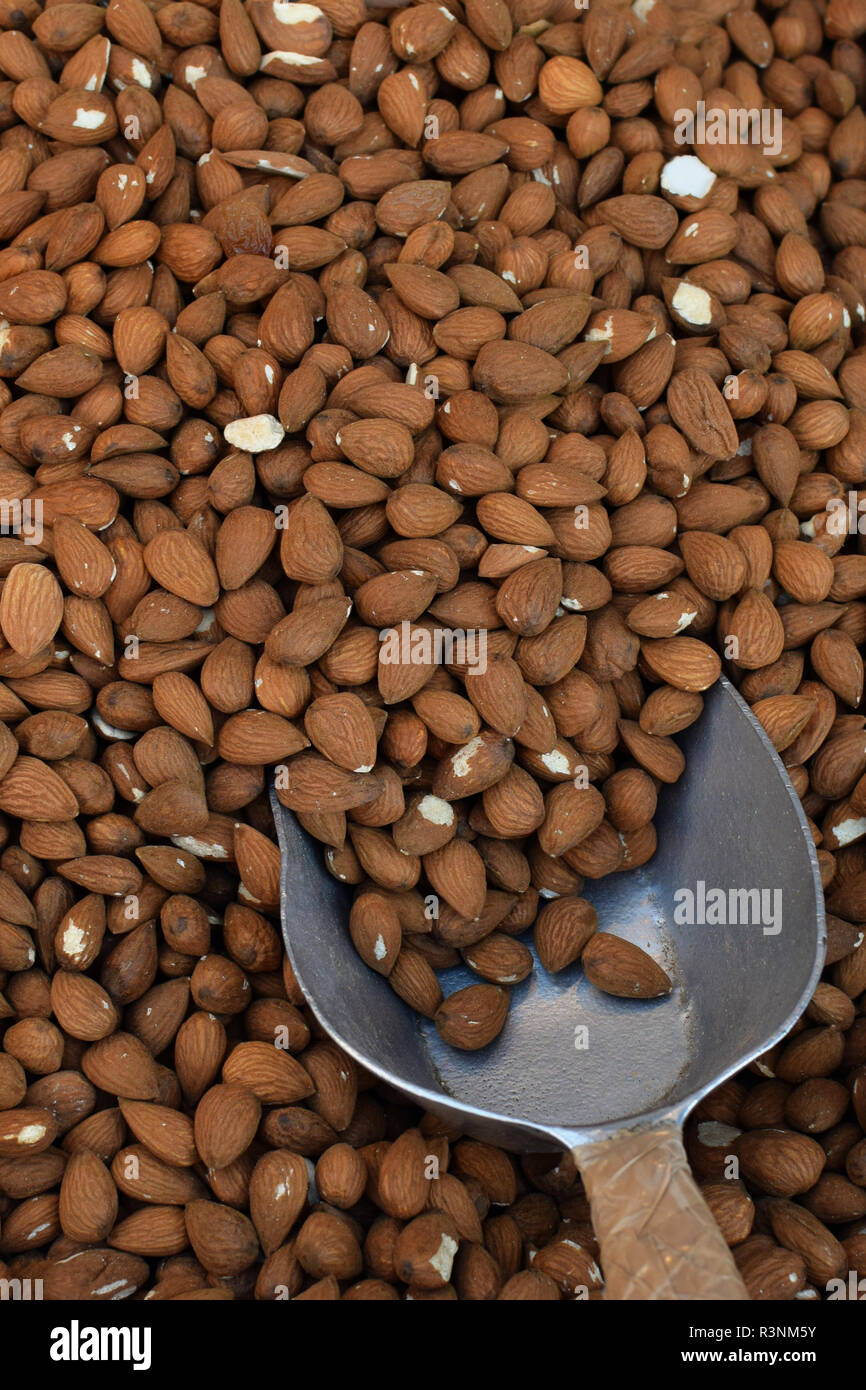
(658, 1238)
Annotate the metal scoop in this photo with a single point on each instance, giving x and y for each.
(617, 1093)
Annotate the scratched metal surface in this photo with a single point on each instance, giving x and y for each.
(733, 820)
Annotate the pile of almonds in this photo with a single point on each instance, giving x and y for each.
(320, 322)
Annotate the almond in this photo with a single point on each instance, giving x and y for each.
(621, 968)
(472, 1017)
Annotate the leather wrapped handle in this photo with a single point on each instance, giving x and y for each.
(658, 1239)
